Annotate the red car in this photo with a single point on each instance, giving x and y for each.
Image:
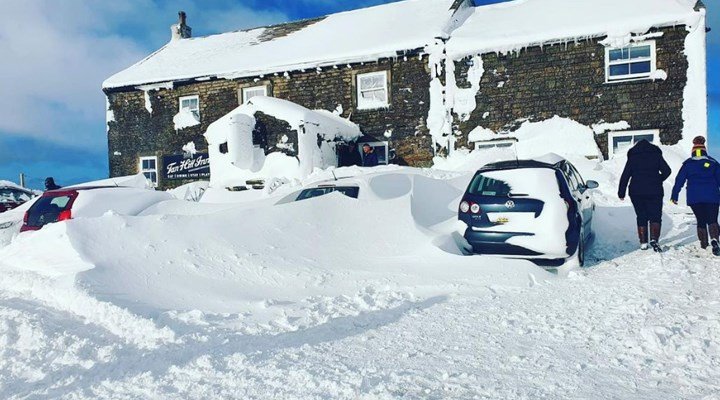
(13, 197)
(88, 202)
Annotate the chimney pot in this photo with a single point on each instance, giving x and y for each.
(180, 30)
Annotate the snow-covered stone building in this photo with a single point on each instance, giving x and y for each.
(418, 76)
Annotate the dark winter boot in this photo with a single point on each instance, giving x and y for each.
(655, 229)
(714, 237)
(703, 236)
(643, 236)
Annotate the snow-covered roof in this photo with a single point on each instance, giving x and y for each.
(354, 36)
(510, 26)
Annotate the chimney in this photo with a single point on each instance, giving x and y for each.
(180, 30)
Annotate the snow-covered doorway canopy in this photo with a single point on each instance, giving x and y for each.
(268, 137)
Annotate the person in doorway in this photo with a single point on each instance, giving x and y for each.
(349, 155)
(50, 184)
(370, 158)
(645, 172)
(702, 175)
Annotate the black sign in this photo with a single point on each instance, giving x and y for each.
(185, 166)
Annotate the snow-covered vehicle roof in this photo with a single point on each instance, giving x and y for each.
(511, 26)
(354, 36)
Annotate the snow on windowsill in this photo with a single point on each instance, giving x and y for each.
(185, 119)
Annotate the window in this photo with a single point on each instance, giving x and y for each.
(148, 167)
(250, 92)
(191, 103)
(636, 61)
(493, 144)
(380, 148)
(372, 90)
(620, 142)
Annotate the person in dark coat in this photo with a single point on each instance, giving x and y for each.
(370, 158)
(646, 170)
(702, 174)
(50, 184)
(349, 155)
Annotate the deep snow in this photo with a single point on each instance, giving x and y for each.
(341, 298)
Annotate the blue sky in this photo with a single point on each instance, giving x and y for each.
(52, 112)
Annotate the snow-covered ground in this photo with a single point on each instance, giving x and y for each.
(355, 299)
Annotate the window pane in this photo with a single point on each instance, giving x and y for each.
(649, 138)
(619, 54)
(640, 52)
(253, 92)
(640, 68)
(621, 144)
(372, 82)
(619, 70)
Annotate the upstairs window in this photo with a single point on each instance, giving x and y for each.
(372, 90)
(636, 61)
(148, 167)
(191, 103)
(250, 92)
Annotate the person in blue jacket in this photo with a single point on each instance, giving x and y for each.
(645, 172)
(370, 158)
(702, 174)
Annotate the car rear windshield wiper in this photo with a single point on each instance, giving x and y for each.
(518, 195)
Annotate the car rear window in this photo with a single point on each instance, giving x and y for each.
(47, 209)
(485, 186)
(531, 182)
(349, 191)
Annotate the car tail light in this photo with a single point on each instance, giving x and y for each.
(64, 215)
(26, 217)
(464, 206)
(475, 208)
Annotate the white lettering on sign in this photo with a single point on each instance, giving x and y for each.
(188, 165)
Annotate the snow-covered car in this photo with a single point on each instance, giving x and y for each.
(88, 202)
(349, 190)
(540, 209)
(12, 197)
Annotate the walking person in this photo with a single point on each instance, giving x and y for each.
(702, 175)
(645, 171)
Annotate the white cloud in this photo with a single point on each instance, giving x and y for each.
(57, 54)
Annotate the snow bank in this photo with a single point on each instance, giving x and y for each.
(244, 161)
(137, 181)
(404, 25)
(695, 112)
(118, 200)
(562, 136)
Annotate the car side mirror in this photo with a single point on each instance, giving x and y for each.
(592, 185)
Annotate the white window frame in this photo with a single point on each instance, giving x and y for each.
(631, 77)
(492, 144)
(375, 145)
(616, 134)
(363, 104)
(193, 97)
(149, 170)
(243, 91)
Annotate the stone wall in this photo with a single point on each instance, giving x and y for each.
(136, 132)
(569, 80)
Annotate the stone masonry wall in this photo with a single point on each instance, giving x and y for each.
(135, 132)
(569, 81)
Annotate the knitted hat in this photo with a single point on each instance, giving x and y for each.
(699, 148)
